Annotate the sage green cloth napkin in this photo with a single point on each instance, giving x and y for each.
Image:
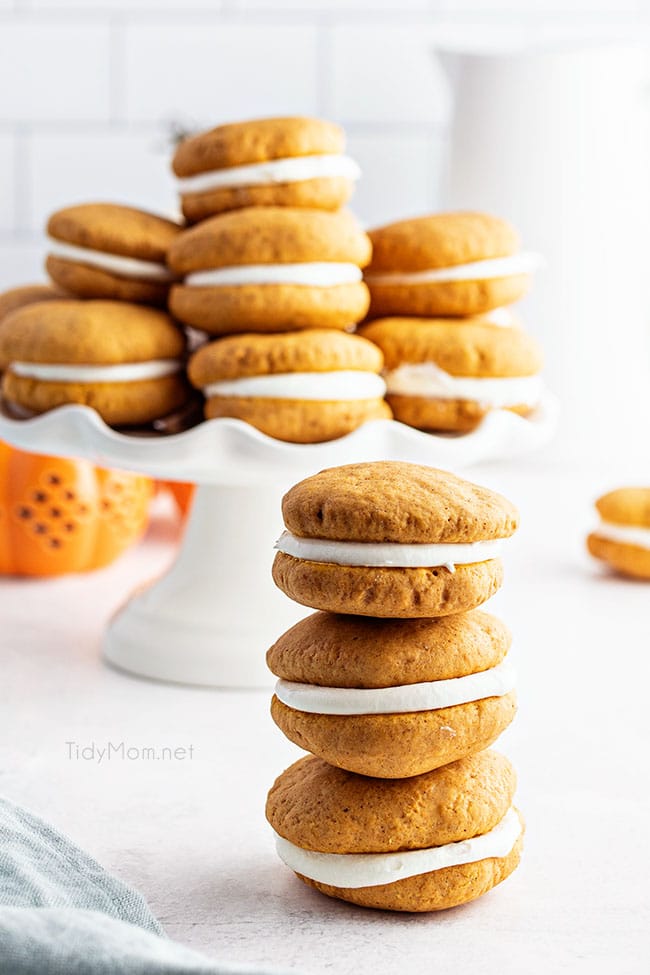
(61, 913)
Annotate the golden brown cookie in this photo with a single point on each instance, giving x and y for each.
(424, 843)
(124, 360)
(445, 375)
(626, 506)
(623, 537)
(27, 294)
(105, 250)
(343, 647)
(405, 718)
(392, 540)
(303, 387)
(396, 593)
(299, 421)
(270, 269)
(452, 264)
(294, 162)
(388, 501)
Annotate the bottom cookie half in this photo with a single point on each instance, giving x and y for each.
(397, 745)
(268, 307)
(93, 282)
(630, 560)
(387, 592)
(434, 891)
(299, 421)
(447, 415)
(327, 193)
(446, 298)
(119, 404)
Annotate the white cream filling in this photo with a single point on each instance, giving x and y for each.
(341, 385)
(294, 169)
(428, 380)
(124, 372)
(125, 267)
(388, 554)
(496, 267)
(502, 317)
(625, 534)
(353, 870)
(425, 696)
(318, 274)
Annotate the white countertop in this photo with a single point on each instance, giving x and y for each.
(191, 834)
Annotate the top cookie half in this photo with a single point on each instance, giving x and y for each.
(396, 502)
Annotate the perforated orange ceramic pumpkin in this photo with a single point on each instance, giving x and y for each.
(60, 516)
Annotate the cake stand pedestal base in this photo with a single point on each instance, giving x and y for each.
(212, 617)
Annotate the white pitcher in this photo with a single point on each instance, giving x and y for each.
(557, 142)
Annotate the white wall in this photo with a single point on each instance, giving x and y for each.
(88, 89)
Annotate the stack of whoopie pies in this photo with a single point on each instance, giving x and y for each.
(101, 336)
(398, 685)
(440, 289)
(268, 267)
(272, 267)
(273, 270)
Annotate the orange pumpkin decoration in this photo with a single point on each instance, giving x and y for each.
(60, 516)
(182, 494)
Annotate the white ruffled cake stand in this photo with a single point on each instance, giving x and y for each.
(210, 619)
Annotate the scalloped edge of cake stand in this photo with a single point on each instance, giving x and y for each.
(226, 451)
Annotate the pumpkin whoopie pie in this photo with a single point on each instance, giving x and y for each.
(425, 843)
(622, 539)
(304, 387)
(270, 269)
(390, 539)
(105, 250)
(124, 360)
(393, 698)
(449, 264)
(444, 375)
(295, 162)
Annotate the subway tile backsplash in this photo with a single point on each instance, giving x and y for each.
(90, 91)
